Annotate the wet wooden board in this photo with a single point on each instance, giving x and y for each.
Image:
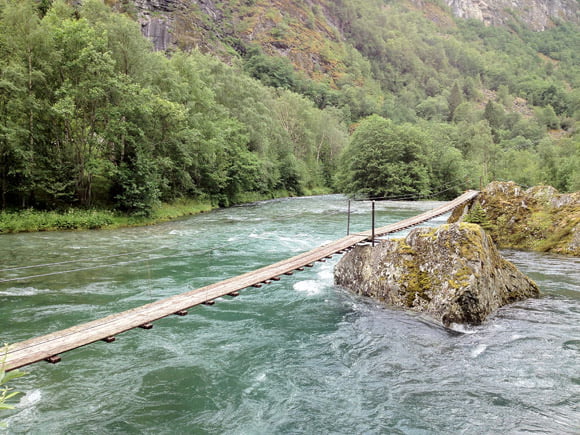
(47, 346)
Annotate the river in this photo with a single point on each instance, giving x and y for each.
(297, 356)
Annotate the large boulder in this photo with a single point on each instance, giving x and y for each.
(538, 219)
(454, 273)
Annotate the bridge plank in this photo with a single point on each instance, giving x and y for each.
(43, 347)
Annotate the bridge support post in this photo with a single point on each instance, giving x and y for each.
(373, 224)
(348, 219)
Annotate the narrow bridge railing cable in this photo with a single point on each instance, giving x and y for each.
(448, 186)
(59, 263)
(41, 275)
(101, 266)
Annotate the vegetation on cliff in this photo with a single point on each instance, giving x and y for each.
(538, 218)
(506, 97)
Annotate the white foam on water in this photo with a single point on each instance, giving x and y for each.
(30, 399)
(22, 291)
(26, 409)
(326, 273)
(457, 327)
(309, 286)
(183, 233)
(479, 349)
(258, 380)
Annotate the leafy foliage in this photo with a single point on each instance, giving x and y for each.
(93, 117)
(386, 160)
(6, 393)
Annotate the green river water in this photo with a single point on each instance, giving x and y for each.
(299, 356)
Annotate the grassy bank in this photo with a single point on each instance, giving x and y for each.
(30, 220)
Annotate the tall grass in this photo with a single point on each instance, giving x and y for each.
(72, 219)
(30, 220)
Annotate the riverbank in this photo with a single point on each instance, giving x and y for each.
(30, 220)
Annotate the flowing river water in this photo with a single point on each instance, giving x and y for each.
(297, 356)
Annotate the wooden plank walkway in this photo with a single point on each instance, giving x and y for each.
(48, 347)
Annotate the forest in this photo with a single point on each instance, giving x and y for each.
(93, 118)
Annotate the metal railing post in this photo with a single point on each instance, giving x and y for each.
(373, 224)
(348, 219)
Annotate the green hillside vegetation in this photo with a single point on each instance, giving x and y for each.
(91, 116)
(269, 98)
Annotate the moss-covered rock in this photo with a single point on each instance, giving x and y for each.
(454, 273)
(539, 219)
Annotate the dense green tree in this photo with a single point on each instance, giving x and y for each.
(272, 71)
(25, 50)
(521, 166)
(476, 143)
(494, 115)
(433, 108)
(385, 160)
(448, 170)
(466, 112)
(478, 216)
(560, 163)
(454, 100)
(548, 117)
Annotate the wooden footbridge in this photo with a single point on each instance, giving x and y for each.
(48, 347)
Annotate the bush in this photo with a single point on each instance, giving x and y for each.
(72, 219)
(477, 215)
(6, 393)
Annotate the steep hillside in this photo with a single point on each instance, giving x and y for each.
(537, 15)
(91, 115)
(304, 32)
(412, 49)
(190, 22)
(506, 81)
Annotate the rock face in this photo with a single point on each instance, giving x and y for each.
(536, 14)
(192, 24)
(156, 19)
(454, 273)
(539, 218)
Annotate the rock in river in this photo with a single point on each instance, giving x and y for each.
(539, 219)
(453, 273)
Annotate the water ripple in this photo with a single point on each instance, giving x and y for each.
(298, 356)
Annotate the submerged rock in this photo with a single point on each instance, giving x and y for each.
(538, 219)
(454, 273)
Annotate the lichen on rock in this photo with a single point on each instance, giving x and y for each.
(454, 273)
(539, 218)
